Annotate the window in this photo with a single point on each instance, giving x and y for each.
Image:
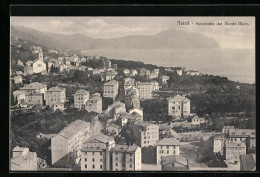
(101, 153)
(86, 159)
(39, 65)
(116, 164)
(116, 153)
(167, 147)
(130, 160)
(101, 166)
(161, 147)
(130, 165)
(116, 158)
(93, 166)
(86, 166)
(93, 160)
(101, 160)
(92, 153)
(167, 151)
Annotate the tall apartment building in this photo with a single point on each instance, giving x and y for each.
(34, 87)
(94, 104)
(95, 153)
(145, 89)
(234, 150)
(66, 145)
(219, 143)
(126, 158)
(111, 89)
(243, 135)
(55, 95)
(166, 147)
(22, 159)
(178, 106)
(145, 133)
(106, 63)
(80, 99)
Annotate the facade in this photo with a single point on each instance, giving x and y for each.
(175, 163)
(34, 98)
(111, 89)
(164, 79)
(226, 129)
(145, 89)
(23, 160)
(106, 64)
(129, 82)
(80, 99)
(55, 95)
(19, 96)
(243, 135)
(114, 66)
(235, 150)
(38, 66)
(94, 104)
(195, 121)
(34, 87)
(28, 70)
(166, 147)
(95, 154)
(145, 133)
(58, 105)
(219, 143)
(178, 106)
(179, 72)
(192, 73)
(126, 158)
(66, 145)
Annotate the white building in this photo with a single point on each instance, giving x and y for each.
(94, 104)
(55, 95)
(38, 66)
(66, 145)
(178, 106)
(80, 99)
(111, 89)
(166, 147)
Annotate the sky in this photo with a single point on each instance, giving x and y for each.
(112, 27)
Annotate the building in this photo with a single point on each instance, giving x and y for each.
(133, 72)
(29, 63)
(192, 73)
(178, 106)
(34, 98)
(166, 147)
(23, 160)
(196, 121)
(243, 135)
(145, 89)
(18, 79)
(145, 133)
(20, 63)
(28, 70)
(80, 99)
(175, 163)
(95, 154)
(234, 150)
(126, 72)
(66, 145)
(38, 66)
(94, 104)
(106, 64)
(19, 96)
(55, 95)
(58, 105)
(248, 162)
(142, 71)
(126, 158)
(111, 89)
(113, 129)
(179, 72)
(226, 129)
(114, 66)
(219, 143)
(129, 82)
(163, 80)
(34, 87)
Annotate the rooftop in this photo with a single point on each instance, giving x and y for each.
(34, 85)
(100, 137)
(80, 92)
(112, 82)
(167, 142)
(242, 132)
(248, 162)
(55, 89)
(19, 149)
(73, 128)
(178, 98)
(124, 148)
(175, 159)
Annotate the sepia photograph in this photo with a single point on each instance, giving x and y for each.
(132, 93)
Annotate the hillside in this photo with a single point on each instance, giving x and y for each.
(165, 39)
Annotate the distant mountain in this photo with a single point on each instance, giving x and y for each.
(166, 39)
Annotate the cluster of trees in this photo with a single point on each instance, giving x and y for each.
(26, 126)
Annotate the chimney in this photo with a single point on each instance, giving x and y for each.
(107, 157)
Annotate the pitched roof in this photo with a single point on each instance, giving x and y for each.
(112, 82)
(178, 98)
(82, 92)
(248, 162)
(242, 132)
(35, 85)
(55, 89)
(167, 141)
(73, 128)
(19, 149)
(100, 137)
(124, 148)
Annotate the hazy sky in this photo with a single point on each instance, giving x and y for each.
(110, 27)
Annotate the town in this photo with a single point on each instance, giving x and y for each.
(75, 112)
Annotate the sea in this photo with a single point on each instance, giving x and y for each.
(235, 64)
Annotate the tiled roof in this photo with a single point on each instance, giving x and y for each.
(124, 148)
(178, 98)
(167, 141)
(248, 162)
(73, 128)
(19, 149)
(55, 89)
(100, 137)
(82, 92)
(35, 85)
